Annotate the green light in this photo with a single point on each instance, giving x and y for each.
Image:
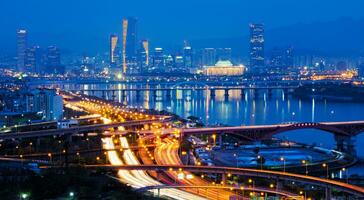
(24, 195)
(72, 194)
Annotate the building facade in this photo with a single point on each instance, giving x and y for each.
(21, 49)
(257, 60)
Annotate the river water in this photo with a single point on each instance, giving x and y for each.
(251, 109)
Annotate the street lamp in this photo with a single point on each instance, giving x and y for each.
(324, 165)
(346, 174)
(260, 159)
(305, 163)
(236, 159)
(284, 163)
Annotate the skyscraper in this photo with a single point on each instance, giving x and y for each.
(53, 61)
(224, 54)
(129, 42)
(143, 57)
(21, 49)
(34, 59)
(257, 62)
(158, 58)
(187, 57)
(114, 51)
(209, 57)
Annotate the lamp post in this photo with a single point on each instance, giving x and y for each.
(236, 160)
(324, 165)
(346, 174)
(260, 159)
(305, 162)
(284, 164)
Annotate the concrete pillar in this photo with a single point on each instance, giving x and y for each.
(212, 93)
(226, 92)
(168, 95)
(269, 92)
(242, 92)
(113, 95)
(138, 94)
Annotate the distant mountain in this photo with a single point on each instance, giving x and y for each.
(341, 37)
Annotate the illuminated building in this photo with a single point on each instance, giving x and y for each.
(114, 51)
(187, 57)
(143, 56)
(129, 42)
(21, 49)
(257, 63)
(158, 58)
(33, 59)
(209, 57)
(53, 61)
(224, 68)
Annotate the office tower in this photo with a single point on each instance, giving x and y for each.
(224, 54)
(209, 57)
(158, 58)
(129, 42)
(33, 59)
(53, 61)
(143, 56)
(257, 63)
(187, 57)
(114, 51)
(21, 49)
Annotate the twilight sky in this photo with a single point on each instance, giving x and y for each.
(86, 24)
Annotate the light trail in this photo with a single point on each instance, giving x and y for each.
(138, 178)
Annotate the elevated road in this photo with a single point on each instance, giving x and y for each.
(258, 132)
(221, 187)
(325, 183)
(76, 130)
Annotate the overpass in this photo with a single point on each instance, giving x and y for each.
(274, 175)
(222, 187)
(343, 131)
(76, 130)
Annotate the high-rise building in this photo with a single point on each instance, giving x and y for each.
(158, 58)
(129, 41)
(114, 51)
(21, 49)
(224, 54)
(143, 56)
(209, 57)
(53, 61)
(257, 62)
(187, 57)
(33, 59)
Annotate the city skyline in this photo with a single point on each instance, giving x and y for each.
(199, 24)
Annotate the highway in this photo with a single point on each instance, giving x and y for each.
(138, 178)
(130, 171)
(274, 175)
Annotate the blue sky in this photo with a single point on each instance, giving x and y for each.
(89, 22)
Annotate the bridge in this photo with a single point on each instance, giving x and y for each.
(169, 89)
(232, 187)
(342, 131)
(273, 175)
(78, 129)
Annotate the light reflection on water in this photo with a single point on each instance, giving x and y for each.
(247, 109)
